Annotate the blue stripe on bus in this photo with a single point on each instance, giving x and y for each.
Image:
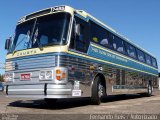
(125, 68)
(102, 55)
(107, 56)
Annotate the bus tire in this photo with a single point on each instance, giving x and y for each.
(149, 89)
(98, 91)
(50, 101)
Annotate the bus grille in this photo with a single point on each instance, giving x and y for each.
(30, 63)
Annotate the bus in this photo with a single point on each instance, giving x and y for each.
(61, 52)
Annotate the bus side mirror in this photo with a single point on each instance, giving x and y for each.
(8, 43)
(77, 29)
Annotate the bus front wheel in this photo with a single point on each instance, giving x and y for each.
(98, 91)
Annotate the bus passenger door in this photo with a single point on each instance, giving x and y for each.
(78, 46)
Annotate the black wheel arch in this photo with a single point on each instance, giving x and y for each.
(103, 80)
(150, 82)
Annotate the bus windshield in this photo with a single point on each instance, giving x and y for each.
(43, 31)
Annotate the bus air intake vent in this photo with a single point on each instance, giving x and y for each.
(46, 11)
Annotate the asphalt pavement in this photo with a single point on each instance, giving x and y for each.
(82, 107)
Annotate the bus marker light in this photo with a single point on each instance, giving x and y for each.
(58, 71)
(58, 78)
(63, 75)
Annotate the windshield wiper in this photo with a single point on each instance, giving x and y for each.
(35, 40)
(30, 40)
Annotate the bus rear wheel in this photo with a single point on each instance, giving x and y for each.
(149, 89)
(98, 91)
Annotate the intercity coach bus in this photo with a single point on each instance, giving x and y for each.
(61, 52)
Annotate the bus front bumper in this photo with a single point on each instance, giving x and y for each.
(39, 91)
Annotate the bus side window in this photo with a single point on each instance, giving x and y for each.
(131, 50)
(148, 59)
(140, 55)
(100, 35)
(154, 62)
(118, 44)
(81, 42)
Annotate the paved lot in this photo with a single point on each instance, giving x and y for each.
(129, 104)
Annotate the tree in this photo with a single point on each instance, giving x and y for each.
(1, 78)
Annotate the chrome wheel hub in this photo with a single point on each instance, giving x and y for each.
(100, 90)
(149, 89)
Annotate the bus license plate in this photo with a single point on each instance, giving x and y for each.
(25, 76)
(76, 92)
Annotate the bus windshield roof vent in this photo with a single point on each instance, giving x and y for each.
(42, 12)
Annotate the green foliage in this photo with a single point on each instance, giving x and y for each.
(1, 78)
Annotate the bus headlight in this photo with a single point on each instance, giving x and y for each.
(46, 75)
(9, 77)
(42, 75)
(59, 74)
(49, 75)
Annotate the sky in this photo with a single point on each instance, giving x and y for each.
(138, 20)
